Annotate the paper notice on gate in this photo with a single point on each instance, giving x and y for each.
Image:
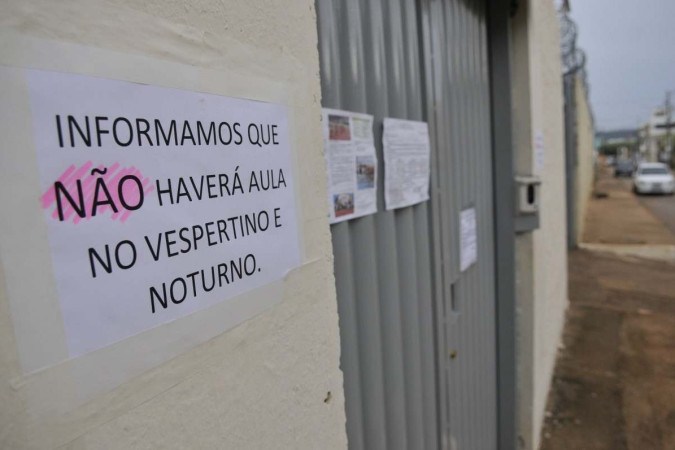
(468, 238)
(406, 161)
(351, 164)
(539, 151)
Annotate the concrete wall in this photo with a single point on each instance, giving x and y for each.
(541, 257)
(550, 241)
(585, 169)
(271, 382)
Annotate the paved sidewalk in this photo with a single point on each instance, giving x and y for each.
(620, 218)
(614, 382)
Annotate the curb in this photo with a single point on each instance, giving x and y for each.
(655, 252)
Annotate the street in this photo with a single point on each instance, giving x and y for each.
(619, 217)
(662, 207)
(614, 382)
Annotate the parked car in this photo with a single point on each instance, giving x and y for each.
(623, 168)
(653, 178)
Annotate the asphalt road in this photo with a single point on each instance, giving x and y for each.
(662, 206)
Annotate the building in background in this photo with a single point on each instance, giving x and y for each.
(621, 144)
(654, 137)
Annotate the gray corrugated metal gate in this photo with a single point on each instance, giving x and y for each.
(418, 336)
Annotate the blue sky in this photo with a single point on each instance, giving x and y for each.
(630, 49)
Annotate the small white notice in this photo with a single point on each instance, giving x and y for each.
(468, 239)
(352, 164)
(406, 162)
(158, 202)
(539, 151)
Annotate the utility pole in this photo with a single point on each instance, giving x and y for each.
(669, 122)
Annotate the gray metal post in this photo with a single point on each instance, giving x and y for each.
(499, 41)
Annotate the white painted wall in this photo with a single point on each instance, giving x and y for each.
(541, 256)
(271, 382)
(550, 243)
(585, 174)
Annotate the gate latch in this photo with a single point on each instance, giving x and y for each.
(527, 202)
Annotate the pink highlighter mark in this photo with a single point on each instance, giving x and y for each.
(99, 188)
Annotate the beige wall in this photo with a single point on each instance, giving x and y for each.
(550, 241)
(541, 256)
(585, 169)
(271, 382)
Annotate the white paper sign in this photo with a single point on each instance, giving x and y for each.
(468, 246)
(539, 151)
(352, 164)
(159, 202)
(406, 162)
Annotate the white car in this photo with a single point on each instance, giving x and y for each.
(653, 178)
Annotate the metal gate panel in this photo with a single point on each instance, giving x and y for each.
(395, 271)
(456, 60)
